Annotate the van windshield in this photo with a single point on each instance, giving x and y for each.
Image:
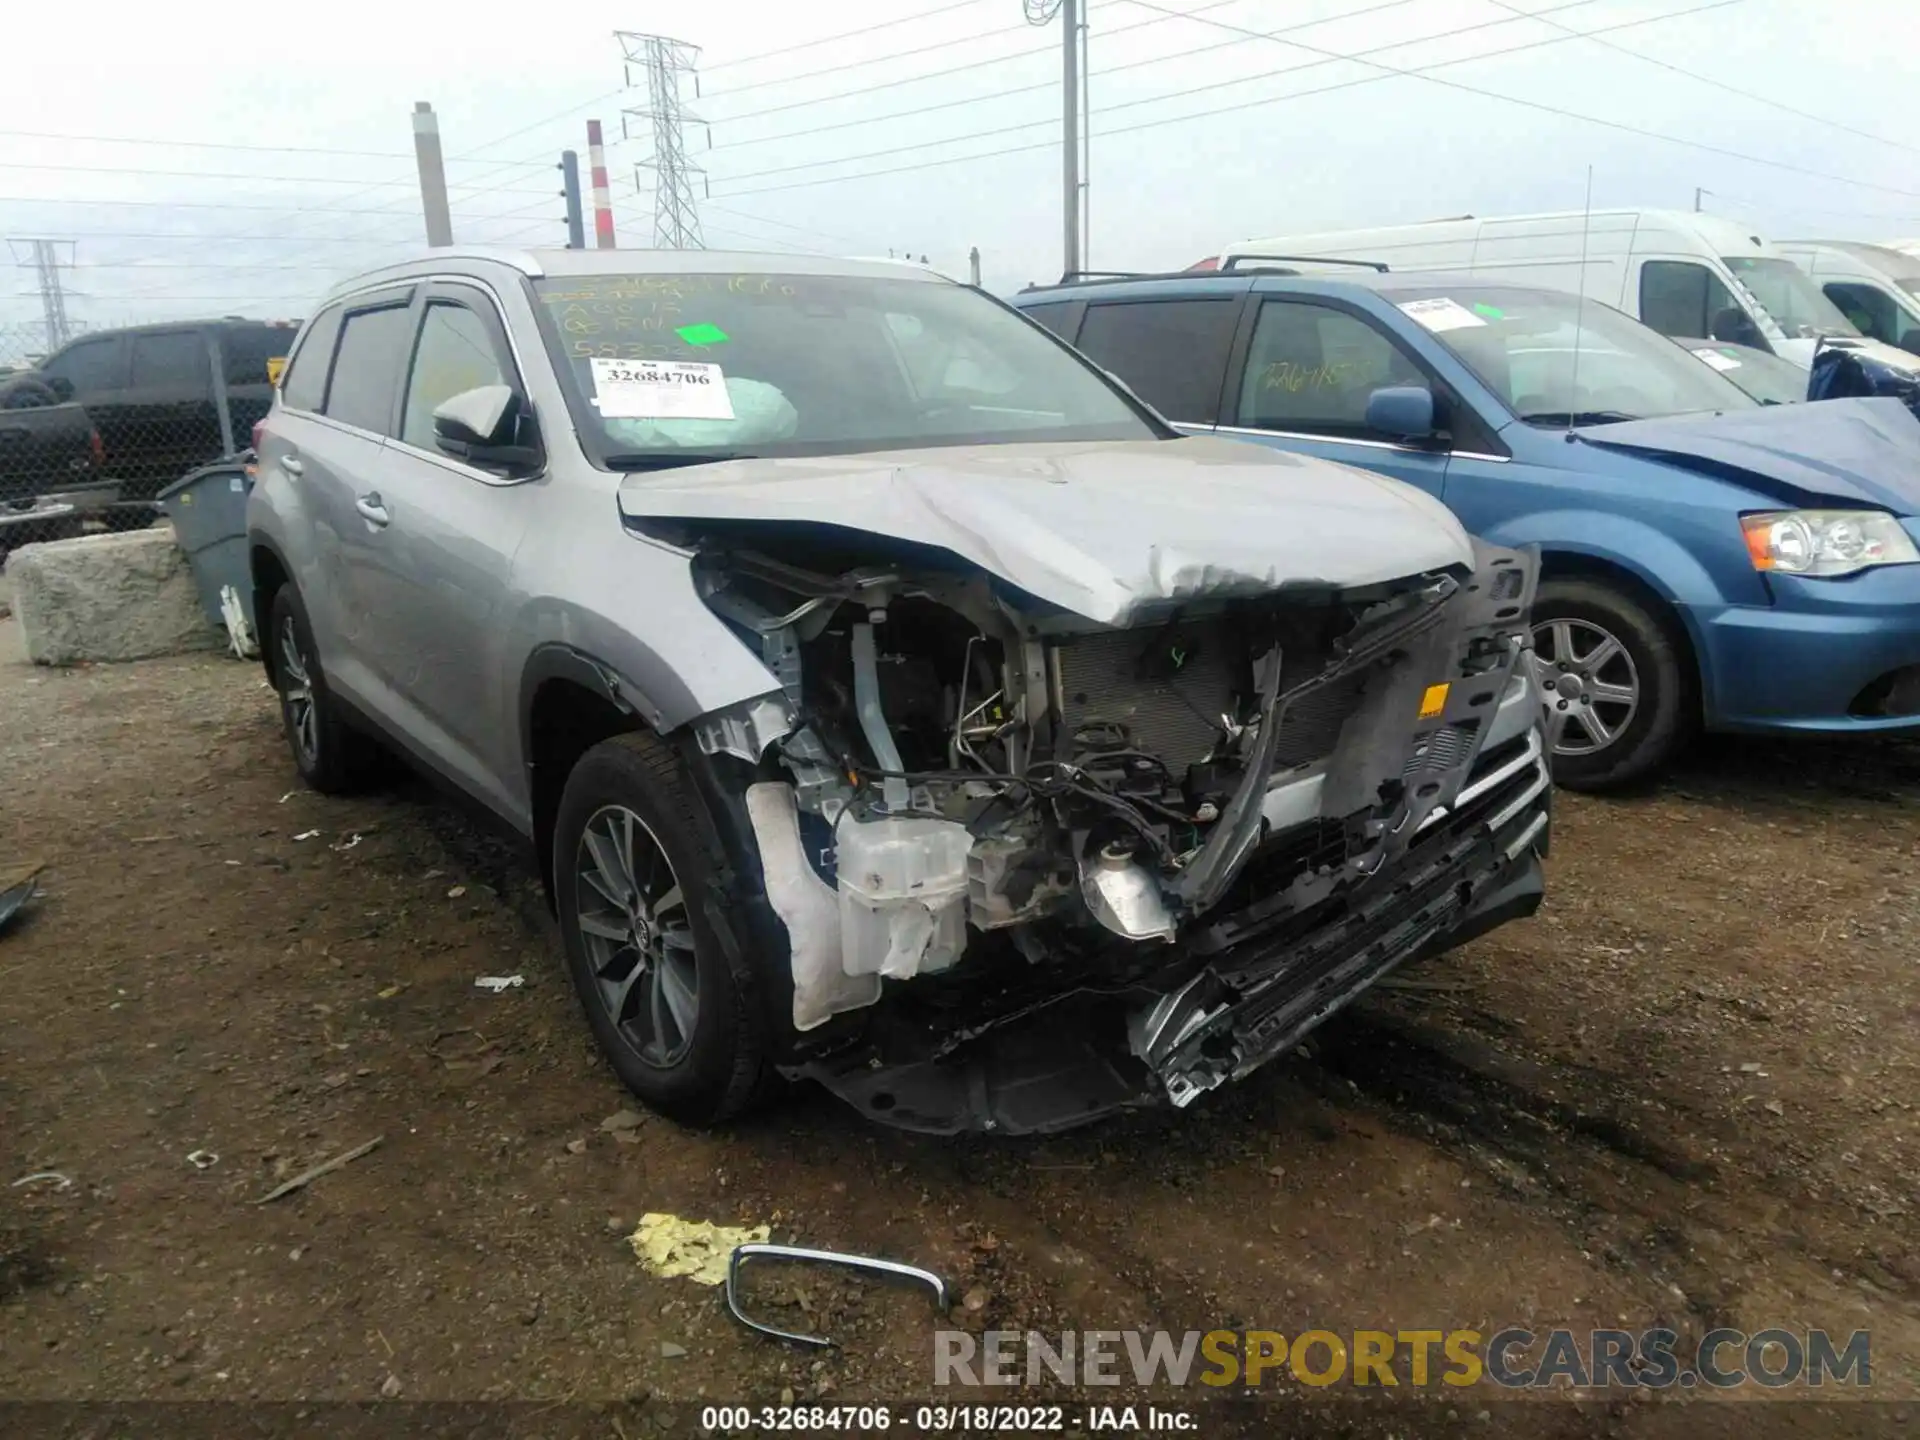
(1521, 344)
(1785, 293)
(674, 369)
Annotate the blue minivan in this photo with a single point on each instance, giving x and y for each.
(1707, 561)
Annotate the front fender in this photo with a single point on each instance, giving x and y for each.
(1659, 561)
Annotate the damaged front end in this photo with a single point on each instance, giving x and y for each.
(1034, 869)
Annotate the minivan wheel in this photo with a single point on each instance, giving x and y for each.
(636, 872)
(330, 755)
(1618, 696)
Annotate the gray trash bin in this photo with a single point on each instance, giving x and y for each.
(208, 508)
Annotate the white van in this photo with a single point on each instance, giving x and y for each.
(1681, 273)
(1877, 288)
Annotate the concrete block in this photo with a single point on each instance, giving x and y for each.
(107, 597)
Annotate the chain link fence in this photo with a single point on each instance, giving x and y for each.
(93, 429)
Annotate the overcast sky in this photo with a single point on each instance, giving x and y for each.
(1203, 129)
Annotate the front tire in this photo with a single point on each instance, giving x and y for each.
(637, 874)
(1616, 683)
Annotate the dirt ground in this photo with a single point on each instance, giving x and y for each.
(1684, 1094)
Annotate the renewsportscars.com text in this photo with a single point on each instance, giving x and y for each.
(1512, 1358)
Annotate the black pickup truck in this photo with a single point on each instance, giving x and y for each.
(48, 447)
(46, 444)
(167, 398)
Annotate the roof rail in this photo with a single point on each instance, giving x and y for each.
(1234, 260)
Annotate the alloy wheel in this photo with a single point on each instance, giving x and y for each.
(1588, 682)
(296, 694)
(632, 919)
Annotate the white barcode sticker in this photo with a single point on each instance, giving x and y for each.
(1718, 360)
(660, 390)
(1441, 314)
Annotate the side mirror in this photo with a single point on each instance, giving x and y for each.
(61, 386)
(1911, 341)
(1733, 326)
(1403, 411)
(484, 427)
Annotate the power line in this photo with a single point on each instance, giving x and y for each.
(843, 35)
(872, 60)
(783, 225)
(1256, 103)
(952, 70)
(1556, 110)
(284, 208)
(1160, 99)
(1049, 84)
(1756, 97)
(230, 145)
(67, 168)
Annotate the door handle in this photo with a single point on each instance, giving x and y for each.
(372, 511)
(292, 465)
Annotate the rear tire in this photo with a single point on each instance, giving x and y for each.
(331, 756)
(638, 874)
(1618, 687)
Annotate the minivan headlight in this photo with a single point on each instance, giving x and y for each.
(1826, 542)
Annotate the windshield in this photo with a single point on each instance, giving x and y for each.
(676, 368)
(1521, 345)
(1785, 293)
(1767, 378)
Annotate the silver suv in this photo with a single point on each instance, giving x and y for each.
(889, 697)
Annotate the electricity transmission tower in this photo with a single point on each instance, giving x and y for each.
(676, 220)
(47, 265)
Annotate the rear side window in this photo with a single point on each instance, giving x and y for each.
(1312, 368)
(92, 366)
(1172, 353)
(245, 351)
(1678, 297)
(1871, 309)
(1057, 317)
(304, 386)
(175, 361)
(366, 367)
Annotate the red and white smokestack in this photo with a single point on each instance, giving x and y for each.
(602, 189)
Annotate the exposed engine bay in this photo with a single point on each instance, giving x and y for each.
(1034, 868)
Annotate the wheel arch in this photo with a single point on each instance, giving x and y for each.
(268, 570)
(1558, 564)
(569, 702)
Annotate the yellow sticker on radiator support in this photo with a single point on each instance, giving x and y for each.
(1433, 703)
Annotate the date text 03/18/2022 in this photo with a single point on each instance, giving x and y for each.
(946, 1419)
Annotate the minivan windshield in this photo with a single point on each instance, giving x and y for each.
(672, 369)
(1521, 343)
(1785, 293)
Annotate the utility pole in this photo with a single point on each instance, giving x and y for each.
(1070, 135)
(570, 183)
(602, 188)
(433, 174)
(1073, 105)
(676, 217)
(1697, 193)
(973, 266)
(44, 256)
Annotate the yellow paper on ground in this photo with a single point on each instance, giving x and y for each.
(695, 1249)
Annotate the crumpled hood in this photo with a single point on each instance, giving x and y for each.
(1101, 529)
(1864, 451)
